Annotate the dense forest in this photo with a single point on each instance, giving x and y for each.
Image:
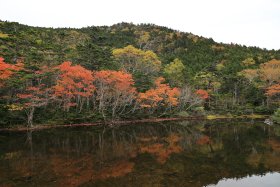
(127, 71)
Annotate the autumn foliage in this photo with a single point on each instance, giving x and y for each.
(36, 92)
(273, 90)
(115, 91)
(74, 84)
(7, 70)
(162, 151)
(107, 93)
(270, 71)
(267, 77)
(203, 94)
(133, 59)
(118, 81)
(161, 95)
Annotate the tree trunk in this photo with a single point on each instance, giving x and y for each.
(30, 114)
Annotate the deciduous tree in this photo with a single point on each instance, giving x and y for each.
(203, 94)
(161, 96)
(36, 92)
(114, 92)
(174, 72)
(74, 85)
(143, 65)
(7, 70)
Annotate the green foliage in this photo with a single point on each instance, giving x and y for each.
(183, 114)
(174, 72)
(220, 67)
(143, 65)
(276, 116)
(248, 62)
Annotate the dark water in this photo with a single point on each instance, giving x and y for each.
(193, 154)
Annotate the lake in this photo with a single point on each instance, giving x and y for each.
(181, 153)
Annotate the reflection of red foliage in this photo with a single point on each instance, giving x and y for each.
(77, 171)
(203, 140)
(161, 151)
(275, 144)
(118, 169)
(203, 94)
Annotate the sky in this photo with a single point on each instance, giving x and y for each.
(245, 22)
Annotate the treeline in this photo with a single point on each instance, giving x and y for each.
(68, 88)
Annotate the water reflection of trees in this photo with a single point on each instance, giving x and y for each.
(182, 153)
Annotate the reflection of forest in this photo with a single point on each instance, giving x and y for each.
(172, 154)
(270, 159)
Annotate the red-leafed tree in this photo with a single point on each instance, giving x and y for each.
(161, 96)
(266, 77)
(36, 92)
(203, 94)
(7, 70)
(74, 85)
(33, 97)
(273, 90)
(114, 92)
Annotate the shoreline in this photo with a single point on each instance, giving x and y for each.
(109, 123)
(126, 122)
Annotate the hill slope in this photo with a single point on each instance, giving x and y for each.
(92, 46)
(209, 65)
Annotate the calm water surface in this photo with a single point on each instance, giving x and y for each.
(191, 154)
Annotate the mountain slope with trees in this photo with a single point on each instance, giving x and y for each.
(127, 70)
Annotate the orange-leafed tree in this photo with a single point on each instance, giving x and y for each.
(203, 94)
(161, 96)
(115, 92)
(266, 77)
(7, 70)
(74, 86)
(269, 72)
(273, 90)
(10, 82)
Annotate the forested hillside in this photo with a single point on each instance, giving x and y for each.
(129, 71)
